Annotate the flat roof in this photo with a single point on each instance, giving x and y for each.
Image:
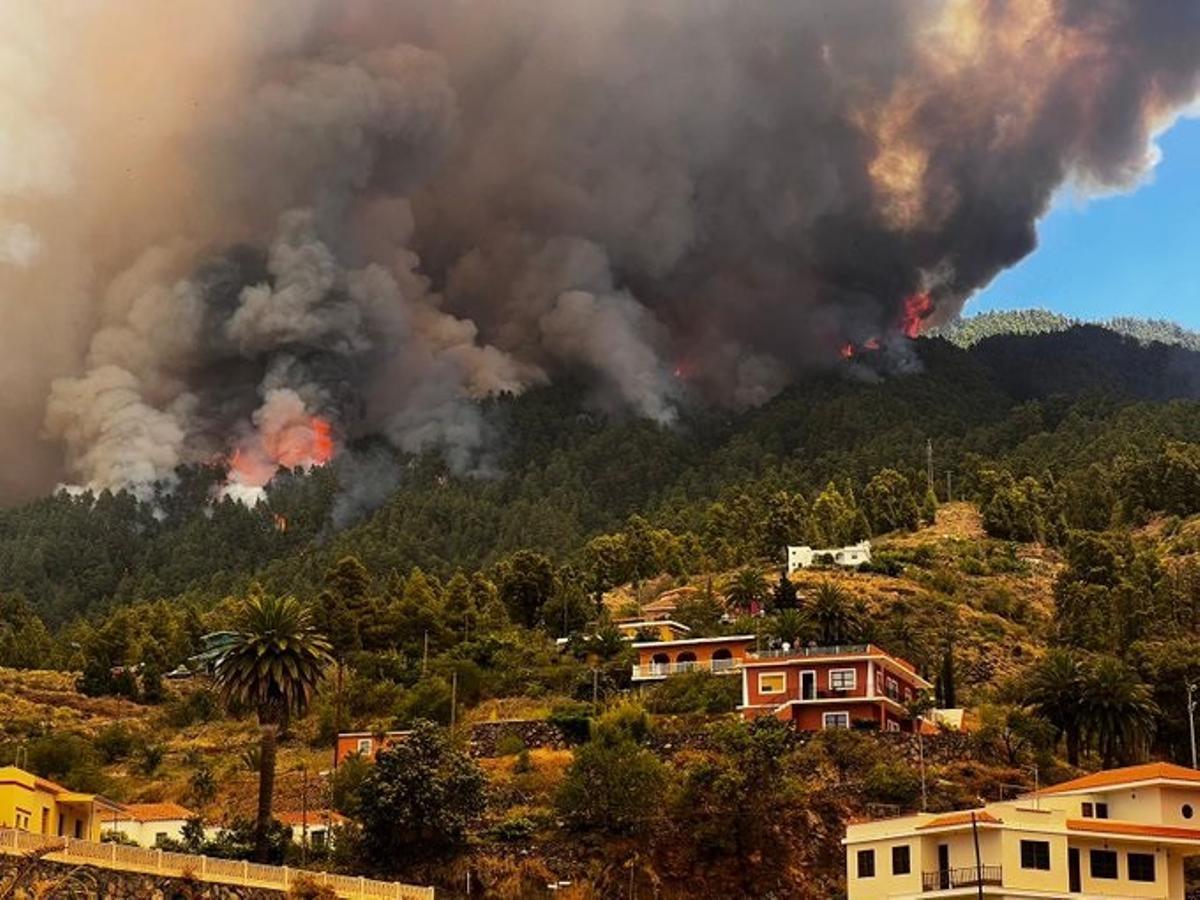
(685, 641)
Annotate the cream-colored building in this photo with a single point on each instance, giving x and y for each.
(149, 824)
(1119, 833)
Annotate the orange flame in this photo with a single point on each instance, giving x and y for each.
(847, 350)
(917, 308)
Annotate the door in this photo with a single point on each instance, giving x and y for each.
(808, 685)
(943, 867)
(1076, 885)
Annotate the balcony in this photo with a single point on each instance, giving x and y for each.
(652, 671)
(974, 876)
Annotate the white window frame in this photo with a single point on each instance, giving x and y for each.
(763, 690)
(825, 717)
(853, 686)
(364, 745)
(893, 725)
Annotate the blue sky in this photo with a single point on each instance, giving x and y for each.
(1134, 254)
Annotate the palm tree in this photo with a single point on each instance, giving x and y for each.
(272, 663)
(834, 617)
(748, 586)
(1117, 710)
(790, 626)
(1053, 689)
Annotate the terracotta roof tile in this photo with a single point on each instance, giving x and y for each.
(983, 817)
(1128, 775)
(157, 812)
(1108, 826)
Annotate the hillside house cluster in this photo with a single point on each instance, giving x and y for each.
(850, 557)
(814, 688)
(1119, 833)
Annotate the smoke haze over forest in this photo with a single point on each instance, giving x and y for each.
(254, 230)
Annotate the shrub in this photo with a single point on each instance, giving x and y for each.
(510, 745)
(150, 757)
(695, 692)
(306, 888)
(115, 742)
(573, 720)
(513, 829)
(892, 782)
(191, 709)
(613, 785)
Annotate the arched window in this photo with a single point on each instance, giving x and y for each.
(660, 659)
(722, 659)
(686, 659)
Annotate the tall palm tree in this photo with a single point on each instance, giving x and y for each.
(1117, 709)
(748, 586)
(1054, 689)
(271, 663)
(833, 615)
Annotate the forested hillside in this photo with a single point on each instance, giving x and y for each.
(967, 331)
(1049, 582)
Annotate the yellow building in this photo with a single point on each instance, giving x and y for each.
(1118, 833)
(43, 807)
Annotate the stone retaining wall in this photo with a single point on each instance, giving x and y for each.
(66, 880)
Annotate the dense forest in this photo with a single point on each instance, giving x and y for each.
(1062, 613)
(966, 331)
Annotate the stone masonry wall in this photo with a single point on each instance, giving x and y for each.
(67, 880)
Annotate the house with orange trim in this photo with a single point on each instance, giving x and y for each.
(820, 688)
(720, 655)
(1118, 833)
(312, 827)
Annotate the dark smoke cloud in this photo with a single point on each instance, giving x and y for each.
(377, 212)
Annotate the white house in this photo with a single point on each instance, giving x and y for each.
(851, 557)
(318, 823)
(149, 824)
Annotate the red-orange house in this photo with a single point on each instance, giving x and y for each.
(364, 743)
(817, 688)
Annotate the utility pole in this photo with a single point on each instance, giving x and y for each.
(921, 757)
(304, 815)
(595, 686)
(453, 698)
(978, 861)
(949, 489)
(425, 655)
(929, 463)
(1191, 702)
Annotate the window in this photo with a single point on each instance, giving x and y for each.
(843, 679)
(772, 682)
(893, 725)
(1101, 810)
(902, 860)
(1104, 863)
(835, 720)
(160, 838)
(78, 829)
(23, 816)
(1035, 855)
(364, 746)
(1187, 811)
(893, 688)
(866, 863)
(1141, 866)
(318, 839)
(1089, 811)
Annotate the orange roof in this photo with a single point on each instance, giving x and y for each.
(1129, 775)
(982, 817)
(157, 812)
(315, 817)
(1108, 826)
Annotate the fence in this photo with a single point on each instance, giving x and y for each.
(146, 861)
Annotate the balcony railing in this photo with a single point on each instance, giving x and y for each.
(837, 650)
(973, 876)
(662, 670)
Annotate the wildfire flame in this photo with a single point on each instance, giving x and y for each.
(917, 308)
(300, 444)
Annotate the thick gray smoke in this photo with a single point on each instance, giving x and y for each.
(263, 228)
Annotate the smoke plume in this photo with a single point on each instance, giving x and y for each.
(258, 230)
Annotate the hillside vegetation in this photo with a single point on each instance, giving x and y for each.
(1049, 582)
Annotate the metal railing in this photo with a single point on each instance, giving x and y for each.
(836, 650)
(972, 876)
(662, 670)
(143, 860)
